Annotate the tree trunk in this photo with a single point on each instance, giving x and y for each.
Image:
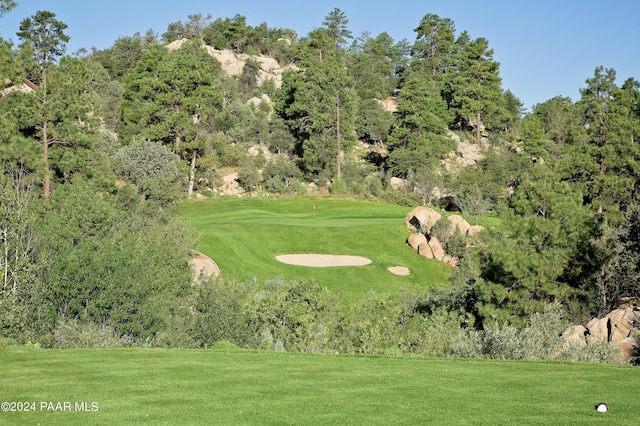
(478, 128)
(338, 133)
(45, 138)
(192, 175)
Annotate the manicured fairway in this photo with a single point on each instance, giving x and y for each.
(157, 386)
(244, 236)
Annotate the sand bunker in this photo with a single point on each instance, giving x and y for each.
(203, 264)
(322, 260)
(399, 270)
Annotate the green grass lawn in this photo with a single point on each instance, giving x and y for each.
(244, 236)
(159, 386)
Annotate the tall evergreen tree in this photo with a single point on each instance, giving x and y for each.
(43, 35)
(170, 96)
(6, 6)
(420, 136)
(603, 156)
(337, 25)
(434, 43)
(475, 88)
(319, 107)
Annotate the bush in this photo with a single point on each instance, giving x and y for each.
(152, 168)
(76, 334)
(295, 315)
(541, 339)
(442, 230)
(402, 198)
(369, 326)
(338, 186)
(223, 312)
(225, 346)
(440, 334)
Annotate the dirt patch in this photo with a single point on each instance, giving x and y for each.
(399, 270)
(322, 260)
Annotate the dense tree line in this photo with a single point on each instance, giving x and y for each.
(96, 154)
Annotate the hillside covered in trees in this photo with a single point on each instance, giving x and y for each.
(98, 147)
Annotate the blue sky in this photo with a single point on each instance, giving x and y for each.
(545, 48)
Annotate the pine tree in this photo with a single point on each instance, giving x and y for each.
(43, 35)
(603, 155)
(319, 107)
(336, 23)
(435, 43)
(170, 97)
(475, 87)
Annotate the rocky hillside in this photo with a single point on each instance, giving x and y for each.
(233, 63)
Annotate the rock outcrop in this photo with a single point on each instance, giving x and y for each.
(420, 222)
(619, 328)
(458, 222)
(233, 63)
(421, 219)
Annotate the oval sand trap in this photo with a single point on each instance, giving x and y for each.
(322, 260)
(399, 270)
(203, 264)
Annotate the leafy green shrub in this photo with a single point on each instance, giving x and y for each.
(369, 325)
(457, 244)
(223, 312)
(279, 176)
(76, 334)
(225, 346)
(440, 334)
(152, 168)
(541, 339)
(373, 186)
(248, 175)
(295, 315)
(402, 198)
(8, 341)
(338, 186)
(600, 351)
(442, 230)
(229, 154)
(500, 342)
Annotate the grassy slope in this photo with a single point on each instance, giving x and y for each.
(156, 386)
(244, 236)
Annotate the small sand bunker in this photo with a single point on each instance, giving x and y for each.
(399, 270)
(322, 260)
(203, 264)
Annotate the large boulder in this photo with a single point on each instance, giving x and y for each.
(421, 219)
(468, 153)
(599, 329)
(458, 222)
(425, 251)
(436, 249)
(624, 323)
(450, 260)
(415, 240)
(576, 335)
(474, 229)
(398, 183)
(628, 349)
(619, 328)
